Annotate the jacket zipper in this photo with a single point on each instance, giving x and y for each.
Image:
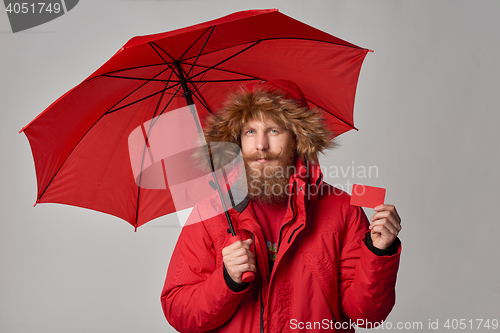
(261, 295)
(277, 249)
(261, 312)
(289, 239)
(293, 217)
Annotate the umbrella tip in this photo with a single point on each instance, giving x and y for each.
(370, 50)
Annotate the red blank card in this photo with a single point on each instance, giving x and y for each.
(367, 196)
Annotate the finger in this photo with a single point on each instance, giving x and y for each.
(236, 271)
(384, 228)
(237, 245)
(389, 221)
(382, 207)
(246, 267)
(390, 208)
(386, 223)
(236, 262)
(380, 233)
(233, 246)
(247, 243)
(231, 254)
(239, 260)
(386, 215)
(381, 237)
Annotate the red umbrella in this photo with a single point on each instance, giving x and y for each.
(79, 143)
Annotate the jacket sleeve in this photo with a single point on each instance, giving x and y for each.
(367, 280)
(195, 297)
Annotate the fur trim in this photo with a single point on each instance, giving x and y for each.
(307, 125)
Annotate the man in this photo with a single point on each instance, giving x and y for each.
(319, 264)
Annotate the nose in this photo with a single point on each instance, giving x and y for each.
(262, 142)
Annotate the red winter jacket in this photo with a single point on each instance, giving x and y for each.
(324, 276)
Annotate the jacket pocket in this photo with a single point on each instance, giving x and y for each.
(323, 264)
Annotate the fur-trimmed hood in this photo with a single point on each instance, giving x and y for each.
(284, 103)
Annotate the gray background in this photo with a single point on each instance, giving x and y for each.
(427, 109)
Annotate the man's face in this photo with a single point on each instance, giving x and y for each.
(269, 154)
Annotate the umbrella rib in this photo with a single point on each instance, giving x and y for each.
(251, 77)
(170, 101)
(120, 70)
(283, 38)
(325, 110)
(198, 95)
(132, 78)
(254, 44)
(159, 101)
(141, 99)
(143, 155)
(199, 53)
(116, 71)
(228, 80)
(142, 85)
(196, 41)
(147, 135)
(154, 49)
(201, 99)
(174, 94)
(227, 59)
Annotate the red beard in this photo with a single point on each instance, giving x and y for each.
(270, 184)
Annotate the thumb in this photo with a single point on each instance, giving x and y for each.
(248, 241)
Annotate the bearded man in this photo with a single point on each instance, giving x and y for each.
(319, 264)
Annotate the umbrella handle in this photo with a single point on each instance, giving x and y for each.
(247, 276)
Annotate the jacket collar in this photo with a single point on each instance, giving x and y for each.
(310, 174)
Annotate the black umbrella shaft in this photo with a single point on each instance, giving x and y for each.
(189, 100)
(187, 93)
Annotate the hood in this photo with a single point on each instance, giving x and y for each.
(284, 103)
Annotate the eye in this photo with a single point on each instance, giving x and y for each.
(249, 132)
(274, 131)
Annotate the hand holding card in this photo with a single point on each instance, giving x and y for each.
(386, 223)
(367, 196)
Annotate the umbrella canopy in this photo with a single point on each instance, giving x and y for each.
(79, 143)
